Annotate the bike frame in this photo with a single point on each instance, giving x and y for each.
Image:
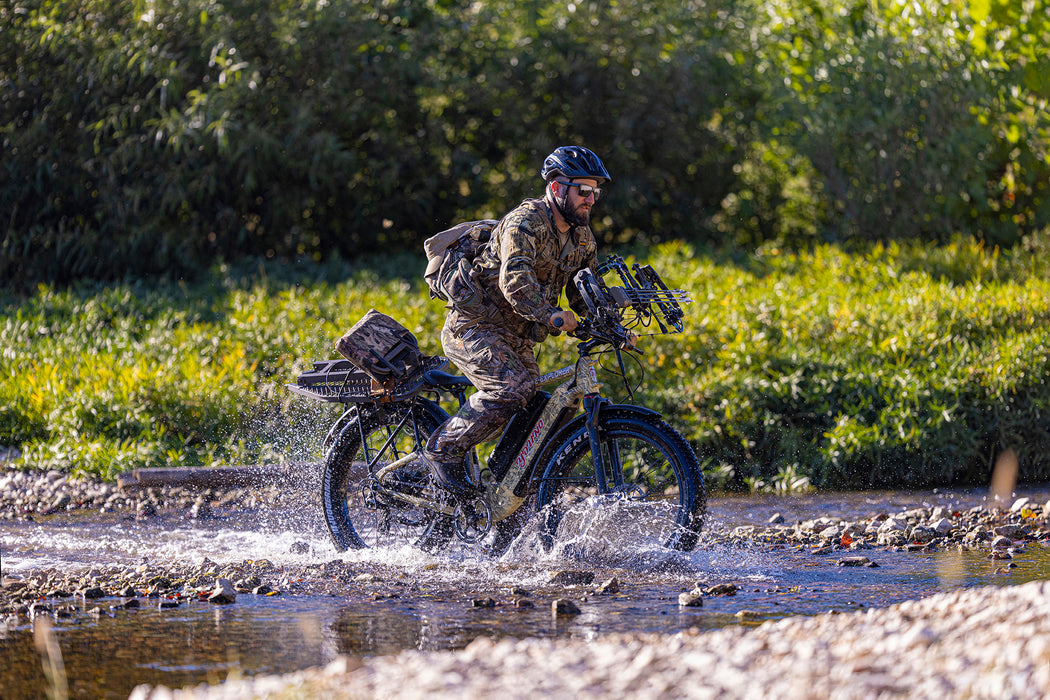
(506, 495)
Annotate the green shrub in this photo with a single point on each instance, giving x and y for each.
(883, 367)
(145, 140)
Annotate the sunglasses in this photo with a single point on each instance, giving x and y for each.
(585, 190)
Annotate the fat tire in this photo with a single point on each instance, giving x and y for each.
(341, 485)
(570, 466)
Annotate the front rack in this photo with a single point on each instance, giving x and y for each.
(339, 381)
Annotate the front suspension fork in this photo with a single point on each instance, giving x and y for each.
(592, 408)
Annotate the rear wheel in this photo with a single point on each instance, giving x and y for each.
(651, 494)
(357, 513)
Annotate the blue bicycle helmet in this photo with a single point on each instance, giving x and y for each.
(574, 162)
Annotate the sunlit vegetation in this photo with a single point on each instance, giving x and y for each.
(896, 365)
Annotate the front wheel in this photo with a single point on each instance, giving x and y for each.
(651, 493)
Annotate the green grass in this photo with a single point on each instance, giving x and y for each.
(892, 366)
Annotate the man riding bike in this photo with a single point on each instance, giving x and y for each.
(532, 255)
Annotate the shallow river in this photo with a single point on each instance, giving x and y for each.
(426, 600)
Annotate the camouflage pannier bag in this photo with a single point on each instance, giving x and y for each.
(381, 348)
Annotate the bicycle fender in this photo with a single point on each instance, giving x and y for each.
(349, 415)
(540, 466)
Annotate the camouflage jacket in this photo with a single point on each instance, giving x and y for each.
(524, 268)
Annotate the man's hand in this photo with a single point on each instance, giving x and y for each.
(568, 321)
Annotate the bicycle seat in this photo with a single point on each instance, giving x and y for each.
(436, 377)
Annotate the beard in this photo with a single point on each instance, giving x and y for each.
(577, 216)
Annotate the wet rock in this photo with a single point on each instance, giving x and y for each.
(224, 593)
(12, 584)
(775, 519)
(726, 589)
(519, 591)
(856, 561)
(572, 578)
(891, 525)
(563, 607)
(1000, 555)
(608, 587)
(690, 600)
(830, 533)
(1001, 542)
(262, 590)
(483, 603)
(942, 526)
(168, 604)
(1014, 531)
(92, 593)
(922, 534)
(893, 538)
(1019, 504)
(524, 604)
(916, 515)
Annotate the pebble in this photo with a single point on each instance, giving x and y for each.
(976, 642)
(563, 607)
(980, 643)
(690, 599)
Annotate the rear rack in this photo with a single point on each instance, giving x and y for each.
(339, 381)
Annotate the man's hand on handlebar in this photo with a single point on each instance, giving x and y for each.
(564, 321)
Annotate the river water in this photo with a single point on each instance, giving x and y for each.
(413, 600)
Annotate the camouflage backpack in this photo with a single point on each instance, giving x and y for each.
(450, 262)
(381, 348)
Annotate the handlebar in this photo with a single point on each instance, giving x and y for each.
(587, 329)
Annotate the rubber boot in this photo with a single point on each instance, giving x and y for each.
(452, 476)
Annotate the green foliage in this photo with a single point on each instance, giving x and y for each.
(895, 365)
(144, 139)
(99, 380)
(887, 367)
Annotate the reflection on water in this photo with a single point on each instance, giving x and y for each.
(425, 601)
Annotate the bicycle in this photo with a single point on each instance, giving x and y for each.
(568, 449)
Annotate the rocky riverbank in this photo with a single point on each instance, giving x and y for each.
(977, 643)
(986, 642)
(1000, 534)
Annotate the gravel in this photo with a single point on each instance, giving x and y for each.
(973, 643)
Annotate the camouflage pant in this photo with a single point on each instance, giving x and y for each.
(502, 366)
